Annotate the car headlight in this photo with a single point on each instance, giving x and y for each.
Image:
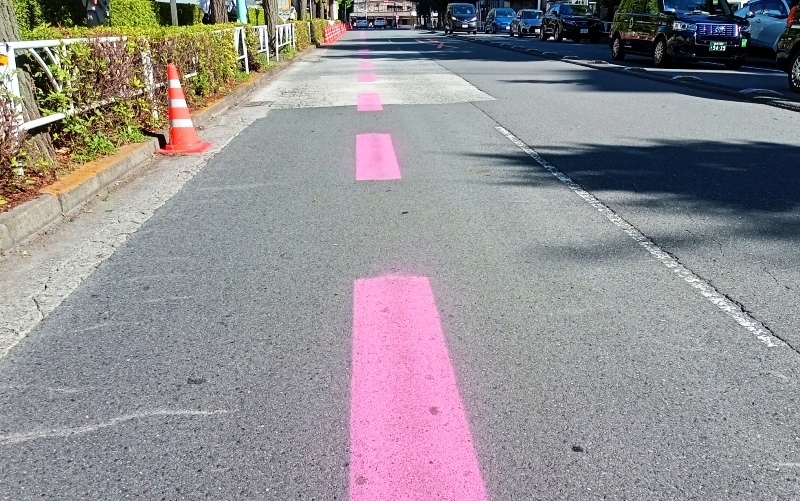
(524, 24)
(454, 18)
(681, 26)
(570, 22)
(744, 29)
(473, 19)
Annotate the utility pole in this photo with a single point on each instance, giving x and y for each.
(241, 11)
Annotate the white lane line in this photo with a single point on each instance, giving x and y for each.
(732, 309)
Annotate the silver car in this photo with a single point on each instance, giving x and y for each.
(526, 22)
(767, 22)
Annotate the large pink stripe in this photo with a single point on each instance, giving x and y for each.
(369, 101)
(363, 52)
(409, 437)
(375, 158)
(366, 76)
(365, 65)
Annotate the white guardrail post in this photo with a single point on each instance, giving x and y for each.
(10, 80)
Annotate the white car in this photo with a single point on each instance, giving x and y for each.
(380, 23)
(361, 24)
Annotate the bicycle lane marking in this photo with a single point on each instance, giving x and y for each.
(409, 436)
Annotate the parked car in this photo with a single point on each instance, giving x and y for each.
(361, 24)
(767, 21)
(788, 49)
(573, 21)
(380, 22)
(460, 17)
(498, 20)
(526, 22)
(704, 30)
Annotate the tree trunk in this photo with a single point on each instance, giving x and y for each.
(271, 19)
(331, 13)
(320, 9)
(9, 31)
(300, 5)
(219, 12)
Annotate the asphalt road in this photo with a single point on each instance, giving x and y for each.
(759, 74)
(626, 329)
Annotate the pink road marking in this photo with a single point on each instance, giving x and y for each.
(375, 158)
(366, 76)
(365, 65)
(409, 436)
(369, 101)
(363, 52)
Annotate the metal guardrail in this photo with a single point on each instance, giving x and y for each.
(284, 36)
(49, 53)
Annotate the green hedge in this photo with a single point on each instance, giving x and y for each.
(32, 14)
(256, 17)
(134, 13)
(318, 30)
(302, 37)
(105, 71)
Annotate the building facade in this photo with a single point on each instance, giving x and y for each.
(396, 12)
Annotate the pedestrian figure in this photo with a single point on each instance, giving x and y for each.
(96, 12)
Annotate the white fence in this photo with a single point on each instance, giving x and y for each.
(49, 53)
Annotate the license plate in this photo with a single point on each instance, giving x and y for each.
(465, 26)
(718, 47)
(584, 30)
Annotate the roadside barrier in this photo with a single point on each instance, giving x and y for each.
(334, 32)
(182, 135)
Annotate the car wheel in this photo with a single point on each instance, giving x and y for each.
(474, 32)
(617, 52)
(794, 72)
(520, 33)
(734, 65)
(542, 34)
(511, 32)
(557, 36)
(660, 57)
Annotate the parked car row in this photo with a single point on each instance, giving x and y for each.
(664, 30)
(379, 23)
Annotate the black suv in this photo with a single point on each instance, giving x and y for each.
(788, 55)
(680, 29)
(573, 21)
(461, 17)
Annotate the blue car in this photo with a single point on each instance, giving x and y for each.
(498, 20)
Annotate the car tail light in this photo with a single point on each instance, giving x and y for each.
(791, 19)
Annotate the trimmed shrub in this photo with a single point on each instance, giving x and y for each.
(256, 17)
(318, 31)
(113, 72)
(302, 37)
(134, 13)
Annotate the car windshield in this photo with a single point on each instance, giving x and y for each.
(574, 10)
(504, 13)
(531, 14)
(698, 6)
(463, 10)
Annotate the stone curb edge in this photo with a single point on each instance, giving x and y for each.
(737, 94)
(32, 217)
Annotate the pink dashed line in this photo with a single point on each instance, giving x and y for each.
(363, 52)
(369, 101)
(375, 158)
(409, 436)
(365, 65)
(366, 76)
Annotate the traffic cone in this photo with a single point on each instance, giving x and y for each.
(182, 136)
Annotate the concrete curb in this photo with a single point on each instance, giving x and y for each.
(768, 99)
(76, 188)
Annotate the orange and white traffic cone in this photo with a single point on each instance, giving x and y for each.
(182, 136)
